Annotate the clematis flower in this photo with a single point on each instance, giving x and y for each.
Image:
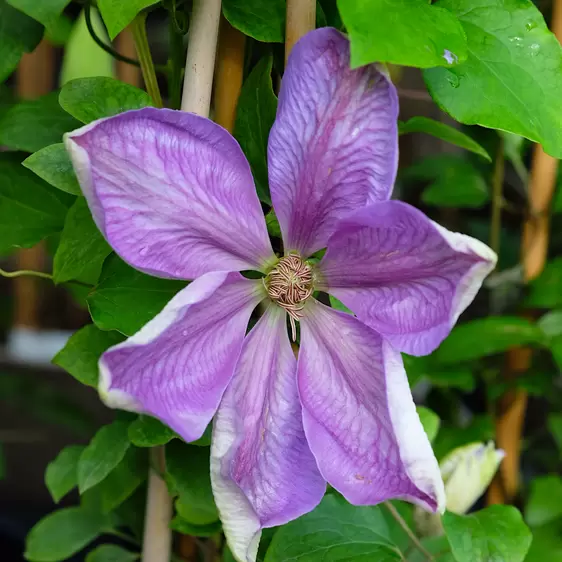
(467, 471)
(174, 196)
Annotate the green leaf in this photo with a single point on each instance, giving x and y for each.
(59, 31)
(551, 323)
(487, 336)
(186, 528)
(255, 114)
(264, 21)
(30, 209)
(46, 12)
(105, 451)
(89, 99)
(82, 351)
(555, 427)
(338, 305)
(430, 421)
(438, 546)
(335, 531)
(82, 248)
(118, 14)
(425, 368)
(547, 544)
(443, 132)
(31, 125)
(53, 164)
(545, 501)
(405, 32)
(121, 482)
(187, 474)
(455, 182)
(496, 533)
(511, 79)
(126, 299)
(111, 553)
(62, 473)
(544, 291)
(83, 57)
(480, 429)
(19, 34)
(272, 224)
(147, 431)
(63, 533)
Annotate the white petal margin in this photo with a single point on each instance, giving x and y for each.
(470, 284)
(262, 471)
(416, 452)
(177, 366)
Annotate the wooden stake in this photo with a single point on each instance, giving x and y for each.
(301, 18)
(157, 537)
(201, 51)
(198, 81)
(35, 77)
(229, 74)
(125, 45)
(511, 406)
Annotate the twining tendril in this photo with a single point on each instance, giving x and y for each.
(289, 284)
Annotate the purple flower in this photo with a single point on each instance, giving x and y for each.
(173, 194)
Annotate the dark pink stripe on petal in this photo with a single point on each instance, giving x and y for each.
(172, 192)
(359, 416)
(177, 367)
(263, 472)
(403, 275)
(334, 146)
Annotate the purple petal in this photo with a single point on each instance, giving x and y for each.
(262, 470)
(177, 366)
(404, 275)
(172, 193)
(359, 417)
(333, 147)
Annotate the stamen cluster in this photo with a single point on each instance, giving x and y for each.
(289, 284)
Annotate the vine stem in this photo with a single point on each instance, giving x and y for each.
(138, 28)
(411, 535)
(511, 406)
(25, 273)
(40, 274)
(100, 43)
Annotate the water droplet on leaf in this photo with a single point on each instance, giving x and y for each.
(453, 79)
(530, 25)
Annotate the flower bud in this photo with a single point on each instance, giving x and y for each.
(466, 471)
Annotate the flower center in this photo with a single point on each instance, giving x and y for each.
(289, 284)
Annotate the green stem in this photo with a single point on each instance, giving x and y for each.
(25, 273)
(138, 27)
(413, 539)
(40, 274)
(123, 536)
(176, 62)
(497, 198)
